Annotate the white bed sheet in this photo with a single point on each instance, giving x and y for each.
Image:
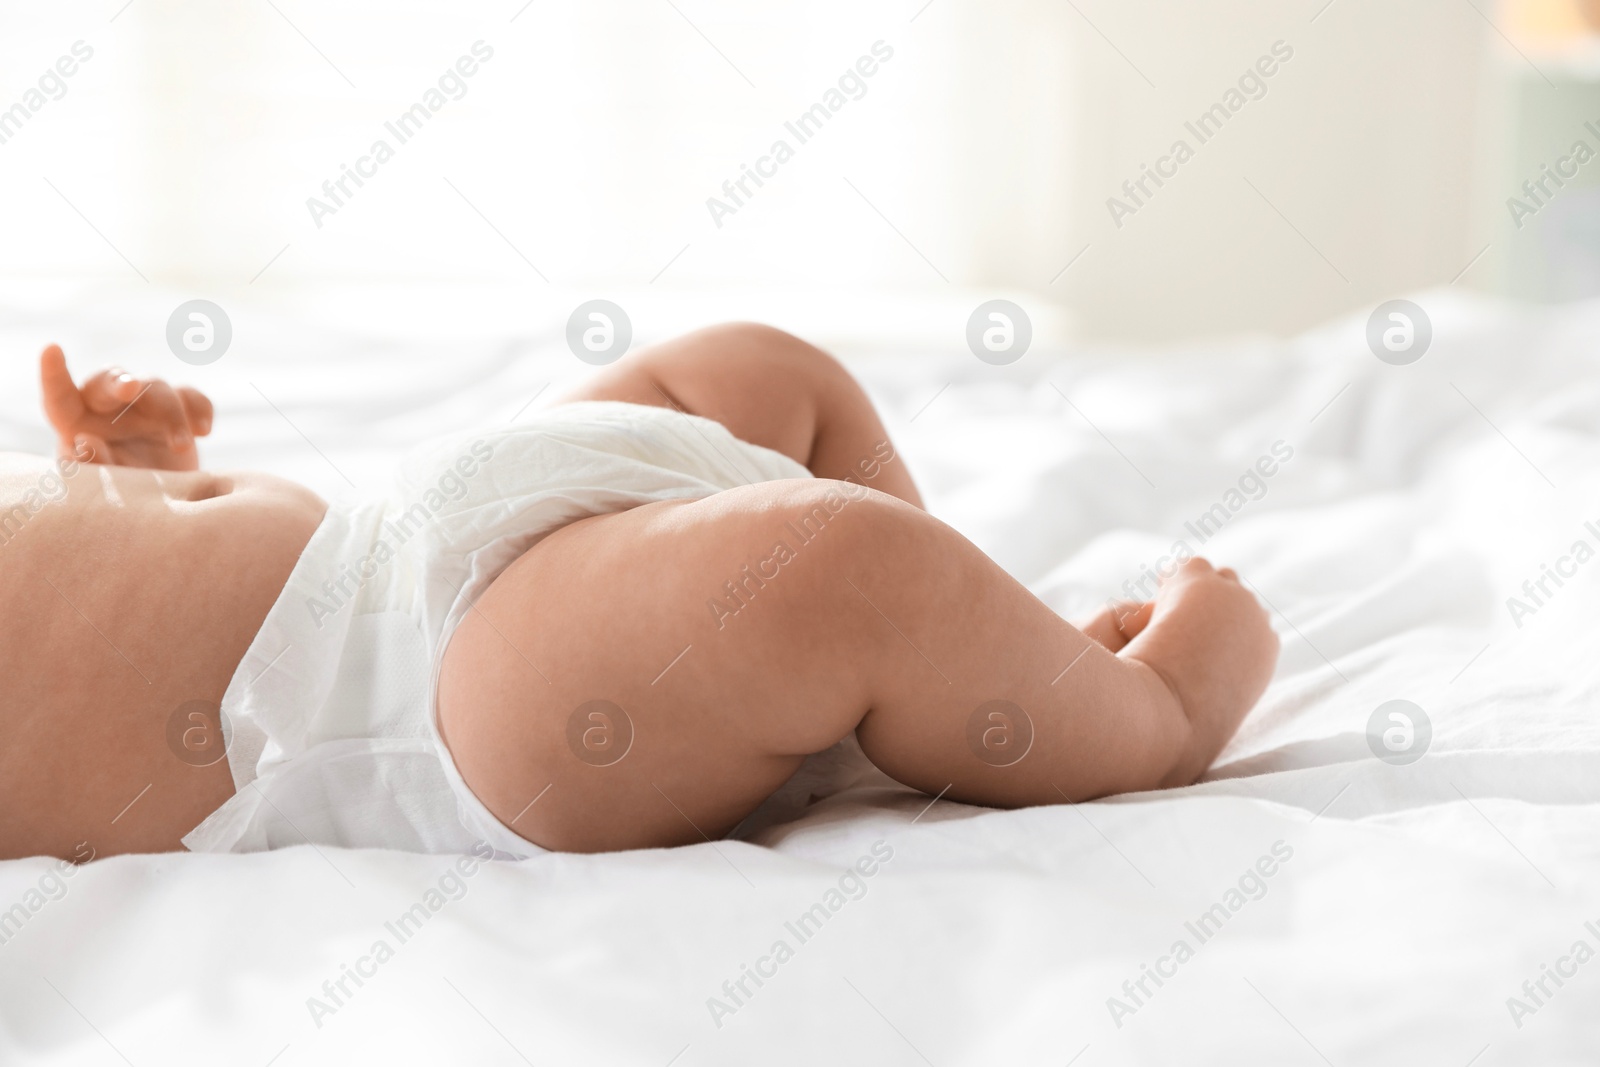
(1417, 899)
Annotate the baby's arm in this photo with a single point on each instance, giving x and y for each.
(117, 419)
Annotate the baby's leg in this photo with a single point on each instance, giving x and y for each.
(769, 388)
(885, 621)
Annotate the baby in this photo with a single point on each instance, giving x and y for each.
(623, 622)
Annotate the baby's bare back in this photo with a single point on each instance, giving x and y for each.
(130, 597)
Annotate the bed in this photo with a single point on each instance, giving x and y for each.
(1333, 892)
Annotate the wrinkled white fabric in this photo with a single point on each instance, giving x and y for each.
(1418, 899)
(330, 715)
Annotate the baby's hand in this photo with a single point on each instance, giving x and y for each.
(1212, 642)
(120, 420)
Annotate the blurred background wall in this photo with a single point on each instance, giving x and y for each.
(980, 154)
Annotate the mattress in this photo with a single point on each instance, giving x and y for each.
(1343, 887)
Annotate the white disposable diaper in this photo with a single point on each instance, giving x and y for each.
(330, 717)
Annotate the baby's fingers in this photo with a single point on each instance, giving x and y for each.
(87, 448)
(110, 391)
(1133, 620)
(158, 403)
(63, 404)
(197, 406)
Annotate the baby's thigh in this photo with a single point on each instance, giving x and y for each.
(599, 698)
